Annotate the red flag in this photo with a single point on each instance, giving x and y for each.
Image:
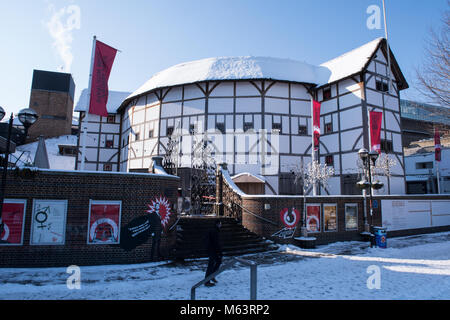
(375, 130)
(437, 145)
(316, 124)
(103, 61)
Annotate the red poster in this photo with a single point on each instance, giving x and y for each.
(313, 218)
(437, 145)
(316, 124)
(375, 130)
(12, 216)
(104, 222)
(290, 217)
(103, 61)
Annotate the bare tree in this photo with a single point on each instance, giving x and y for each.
(434, 75)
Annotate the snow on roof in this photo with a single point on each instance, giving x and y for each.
(351, 62)
(248, 177)
(26, 153)
(235, 68)
(115, 99)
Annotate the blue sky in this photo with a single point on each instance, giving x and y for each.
(154, 35)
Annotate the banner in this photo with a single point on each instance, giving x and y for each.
(316, 124)
(103, 61)
(13, 215)
(313, 218)
(135, 233)
(375, 130)
(104, 222)
(290, 218)
(48, 222)
(437, 145)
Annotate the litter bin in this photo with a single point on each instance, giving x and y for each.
(380, 236)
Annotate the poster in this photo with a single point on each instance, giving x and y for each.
(351, 216)
(13, 216)
(313, 218)
(104, 222)
(48, 222)
(329, 217)
(290, 218)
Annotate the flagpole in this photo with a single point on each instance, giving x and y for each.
(388, 50)
(313, 151)
(86, 115)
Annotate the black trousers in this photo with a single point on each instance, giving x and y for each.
(213, 264)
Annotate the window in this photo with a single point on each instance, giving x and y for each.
(109, 143)
(137, 136)
(386, 146)
(220, 126)
(169, 131)
(302, 130)
(276, 127)
(326, 94)
(150, 133)
(424, 165)
(192, 129)
(111, 118)
(381, 85)
(107, 167)
(248, 126)
(328, 127)
(329, 160)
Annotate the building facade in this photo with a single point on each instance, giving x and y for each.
(256, 112)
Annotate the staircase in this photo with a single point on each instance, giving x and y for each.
(235, 239)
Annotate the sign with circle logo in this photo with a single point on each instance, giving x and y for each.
(290, 217)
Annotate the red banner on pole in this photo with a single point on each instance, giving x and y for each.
(103, 61)
(375, 130)
(437, 145)
(316, 124)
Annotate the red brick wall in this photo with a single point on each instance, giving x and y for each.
(134, 190)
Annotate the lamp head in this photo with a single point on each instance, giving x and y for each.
(28, 117)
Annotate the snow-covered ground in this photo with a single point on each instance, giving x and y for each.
(416, 267)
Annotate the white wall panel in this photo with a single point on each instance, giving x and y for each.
(328, 106)
(279, 89)
(391, 103)
(349, 138)
(171, 109)
(248, 105)
(194, 107)
(300, 144)
(273, 105)
(220, 105)
(349, 100)
(301, 108)
(351, 118)
(224, 89)
(175, 94)
(192, 92)
(373, 97)
(331, 141)
(299, 92)
(246, 89)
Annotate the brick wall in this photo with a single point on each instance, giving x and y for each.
(55, 114)
(134, 190)
(261, 213)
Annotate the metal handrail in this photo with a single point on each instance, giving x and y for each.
(229, 264)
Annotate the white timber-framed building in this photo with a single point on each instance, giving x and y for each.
(257, 113)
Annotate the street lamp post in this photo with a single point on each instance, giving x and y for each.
(366, 184)
(27, 117)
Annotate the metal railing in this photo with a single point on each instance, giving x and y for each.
(229, 264)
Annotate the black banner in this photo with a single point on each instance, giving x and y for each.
(135, 233)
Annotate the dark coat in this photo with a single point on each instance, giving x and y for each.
(213, 242)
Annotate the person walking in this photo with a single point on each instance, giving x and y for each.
(214, 252)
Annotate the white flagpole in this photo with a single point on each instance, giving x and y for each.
(86, 114)
(313, 152)
(388, 50)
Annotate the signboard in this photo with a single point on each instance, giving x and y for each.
(290, 218)
(104, 222)
(313, 217)
(48, 222)
(351, 216)
(329, 217)
(13, 216)
(401, 214)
